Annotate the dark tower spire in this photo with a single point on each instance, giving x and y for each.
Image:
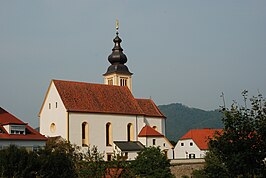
(117, 58)
(118, 73)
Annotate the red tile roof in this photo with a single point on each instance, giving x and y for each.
(149, 108)
(201, 136)
(7, 118)
(101, 98)
(147, 131)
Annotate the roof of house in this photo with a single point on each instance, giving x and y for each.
(101, 98)
(147, 131)
(149, 108)
(6, 119)
(201, 136)
(129, 146)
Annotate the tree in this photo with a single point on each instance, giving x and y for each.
(18, 162)
(241, 149)
(92, 164)
(59, 159)
(151, 162)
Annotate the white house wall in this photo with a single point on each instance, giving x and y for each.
(22, 143)
(162, 143)
(53, 111)
(182, 152)
(156, 121)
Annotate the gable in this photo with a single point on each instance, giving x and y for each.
(147, 131)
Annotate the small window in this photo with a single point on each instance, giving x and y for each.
(191, 144)
(153, 141)
(154, 127)
(130, 132)
(49, 105)
(182, 144)
(35, 148)
(55, 104)
(108, 132)
(192, 156)
(164, 144)
(52, 127)
(109, 157)
(110, 81)
(85, 134)
(126, 155)
(123, 82)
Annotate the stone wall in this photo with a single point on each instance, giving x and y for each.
(181, 168)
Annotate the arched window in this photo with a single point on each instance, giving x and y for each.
(154, 127)
(130, 133)
(52, 127)
(85, 134)
(108, 130)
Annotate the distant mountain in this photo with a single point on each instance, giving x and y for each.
(181, 118)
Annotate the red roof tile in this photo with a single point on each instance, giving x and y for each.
(101, 98)
(147, 131)
(149, 108)
(201, 136)
(7, 118)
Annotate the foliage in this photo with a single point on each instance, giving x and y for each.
(240, 151)
(92, 164)
(58, 159)
(151, 162)
(17, 162)
(181, 118)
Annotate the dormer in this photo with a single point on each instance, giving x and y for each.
(19, 129)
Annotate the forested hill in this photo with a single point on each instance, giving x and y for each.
(180, 119)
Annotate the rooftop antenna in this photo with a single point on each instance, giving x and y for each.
(222, 95)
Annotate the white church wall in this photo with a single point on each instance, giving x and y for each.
(186, 148)
(97, 129)
(53, 116)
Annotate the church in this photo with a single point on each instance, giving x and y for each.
(104, 115)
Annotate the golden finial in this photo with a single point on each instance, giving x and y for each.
(117, 25)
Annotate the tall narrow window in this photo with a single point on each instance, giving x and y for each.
(123, 82)
(130, 132)
(110, 81)
(85, 134)
(108, 131)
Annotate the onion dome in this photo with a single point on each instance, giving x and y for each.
(117, 59)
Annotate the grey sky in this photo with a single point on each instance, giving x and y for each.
(179, 51)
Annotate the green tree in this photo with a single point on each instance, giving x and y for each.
(59, 159)
(92, 165)
(18, 162)
(151, 162)
(240, 150)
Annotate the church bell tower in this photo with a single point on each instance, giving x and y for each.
(118, 73)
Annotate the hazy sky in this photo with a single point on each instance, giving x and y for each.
(185, 51)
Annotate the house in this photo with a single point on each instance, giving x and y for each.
(105, 115)
(194, 144)
(15, 132)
